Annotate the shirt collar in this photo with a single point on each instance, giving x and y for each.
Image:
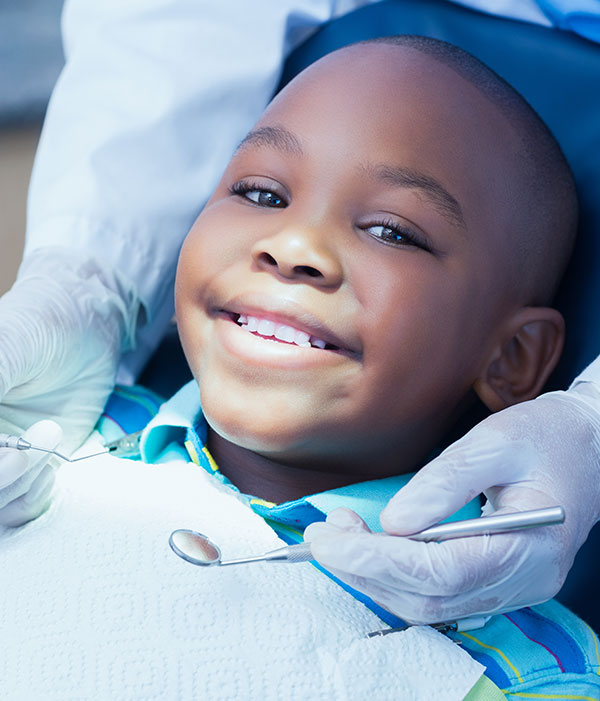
(174, 418)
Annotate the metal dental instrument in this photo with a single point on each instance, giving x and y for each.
(197, 549)
(19, 443)
(459, 626)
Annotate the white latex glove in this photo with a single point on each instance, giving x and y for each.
(62, 329)
(540, 453)
(27, 476)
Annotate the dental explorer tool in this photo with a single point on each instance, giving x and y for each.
(19, 443)
(197, 549)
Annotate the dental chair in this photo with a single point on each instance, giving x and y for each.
(559, 75)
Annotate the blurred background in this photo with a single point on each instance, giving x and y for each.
(30, 61)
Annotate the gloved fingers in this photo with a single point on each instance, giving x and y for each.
(346, 519)
(32, 503)
(411, 608)
(13, 464)
(419, 609)
(430, 569)
(61, 327)
(516, 498)
(25, 466)
(23, 484)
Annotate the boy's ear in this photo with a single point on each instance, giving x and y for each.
(528, 349)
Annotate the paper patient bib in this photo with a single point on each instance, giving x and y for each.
(94, 605)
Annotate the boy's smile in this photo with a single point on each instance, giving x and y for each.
(291, 333)
(337, 294)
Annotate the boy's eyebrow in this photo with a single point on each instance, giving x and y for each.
(284, 140)
(278, 137)
(445, 203)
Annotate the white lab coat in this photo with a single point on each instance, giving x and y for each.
(154, 97)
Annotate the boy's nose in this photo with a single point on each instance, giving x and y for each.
(297, 255)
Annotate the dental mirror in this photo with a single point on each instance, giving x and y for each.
(196, 548)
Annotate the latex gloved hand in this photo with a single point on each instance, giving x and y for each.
(27, 476)
(62, 329)
(540, 453)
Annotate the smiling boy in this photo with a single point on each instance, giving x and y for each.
(379, 252)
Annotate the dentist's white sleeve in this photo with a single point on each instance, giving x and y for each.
(154, 97)
(591, 374)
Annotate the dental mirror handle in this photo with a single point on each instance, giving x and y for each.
(290, 553)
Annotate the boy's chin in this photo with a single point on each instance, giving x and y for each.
(261, 422)
(268, 438)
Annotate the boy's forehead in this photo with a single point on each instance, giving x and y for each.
(398, 75)
(382, 95)
(395, 105)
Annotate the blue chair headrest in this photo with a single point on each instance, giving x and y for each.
(558, 73)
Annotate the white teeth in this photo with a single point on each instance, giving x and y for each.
(285, 333)
(301, 338)
(282, 332)
(265, 327)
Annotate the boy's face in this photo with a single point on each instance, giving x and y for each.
(359, 215)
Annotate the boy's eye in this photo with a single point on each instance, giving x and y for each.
(391, 233)
(259, 195)
(265, 198)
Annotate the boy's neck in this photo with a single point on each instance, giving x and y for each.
(278, 481)
(271, 480)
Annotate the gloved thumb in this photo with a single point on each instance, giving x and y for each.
(347, 520)
(340, 520)
(26, 477)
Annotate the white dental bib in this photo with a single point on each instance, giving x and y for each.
(94, 605)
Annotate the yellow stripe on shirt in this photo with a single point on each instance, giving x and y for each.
(211, 461)
(491, 647)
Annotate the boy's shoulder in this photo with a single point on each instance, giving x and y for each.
(543, 651)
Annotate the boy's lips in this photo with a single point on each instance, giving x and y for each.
(287, 323)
